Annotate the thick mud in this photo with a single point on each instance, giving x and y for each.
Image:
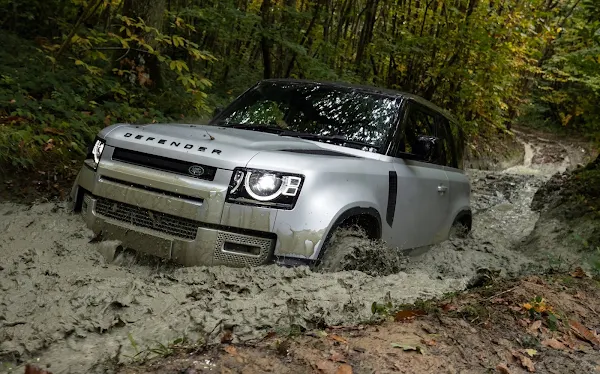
(64, 306)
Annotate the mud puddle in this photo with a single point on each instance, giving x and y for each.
(63, 306)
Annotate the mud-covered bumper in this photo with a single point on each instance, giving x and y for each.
(187, 222)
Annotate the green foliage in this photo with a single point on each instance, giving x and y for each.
(90, 63)
(58, 90)
(568, 87)
(47, 109)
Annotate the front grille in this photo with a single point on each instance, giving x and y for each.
(140, 217)
(241, 259)
(151, 189)
(165, 164)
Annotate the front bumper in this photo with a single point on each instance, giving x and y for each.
(172, 219)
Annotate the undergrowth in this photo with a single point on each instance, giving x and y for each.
(50, 111)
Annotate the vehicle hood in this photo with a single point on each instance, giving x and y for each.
(212, 145)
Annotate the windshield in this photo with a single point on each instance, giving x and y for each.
(315, 109)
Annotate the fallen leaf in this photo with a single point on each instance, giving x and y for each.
(408, 315)
(531, 352)
(528, 364)
(430, 343)
(570, 342)
(502, 368)
(49, 145)
(553, 343)
(227, 337)
(535, 326)
(407, 347)
(584, 333)
(448, 307)
(326, 367)
(338, 339)
(344, 369)
(579, 273)
(30, 369)
(523, 322)
(231, 350)
(337, 357)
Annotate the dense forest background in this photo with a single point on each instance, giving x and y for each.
(70, 67)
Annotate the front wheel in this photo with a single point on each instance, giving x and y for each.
(340, 249)
(459, 230)
(351, 249)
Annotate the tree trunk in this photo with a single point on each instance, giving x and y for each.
(265, 42)
(152, 13)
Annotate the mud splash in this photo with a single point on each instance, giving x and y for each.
(61, 303)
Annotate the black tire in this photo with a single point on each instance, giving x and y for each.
(339, 247)
(459, 230)
(351, 249)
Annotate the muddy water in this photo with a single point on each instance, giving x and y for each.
(62, 305)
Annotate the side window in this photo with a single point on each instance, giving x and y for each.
(447, 146)
(420, 139)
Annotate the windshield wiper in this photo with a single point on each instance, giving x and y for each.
(340, 140)
(261, 128)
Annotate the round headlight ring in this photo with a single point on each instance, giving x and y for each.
(256, 196)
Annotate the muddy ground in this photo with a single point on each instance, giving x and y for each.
(487, 331)
(64, 307)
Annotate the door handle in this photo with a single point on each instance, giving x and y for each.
(442, 188)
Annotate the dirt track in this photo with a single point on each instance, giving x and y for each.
(61, 304)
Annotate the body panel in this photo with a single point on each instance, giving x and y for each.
(421, 209)
(332, 186)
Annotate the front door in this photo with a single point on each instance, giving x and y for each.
(422, 203)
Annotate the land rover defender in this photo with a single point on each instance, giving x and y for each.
(273, 175)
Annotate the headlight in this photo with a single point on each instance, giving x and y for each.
(95, 152)
(261, 187)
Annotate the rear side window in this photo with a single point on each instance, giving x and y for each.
(426, 137)
(444, 133)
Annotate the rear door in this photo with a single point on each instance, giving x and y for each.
(422, 202)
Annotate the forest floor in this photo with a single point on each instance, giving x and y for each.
(519, 294)
(499, 328)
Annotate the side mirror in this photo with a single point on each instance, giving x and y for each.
(217, 111)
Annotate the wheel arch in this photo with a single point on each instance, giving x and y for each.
(465, 217)
(366, 217)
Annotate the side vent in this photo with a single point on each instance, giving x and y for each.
(392, 194)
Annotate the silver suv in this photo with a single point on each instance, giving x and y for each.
(276, 173)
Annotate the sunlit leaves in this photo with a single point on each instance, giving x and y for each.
(178, 65)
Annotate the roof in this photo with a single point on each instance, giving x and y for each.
(366, 88)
